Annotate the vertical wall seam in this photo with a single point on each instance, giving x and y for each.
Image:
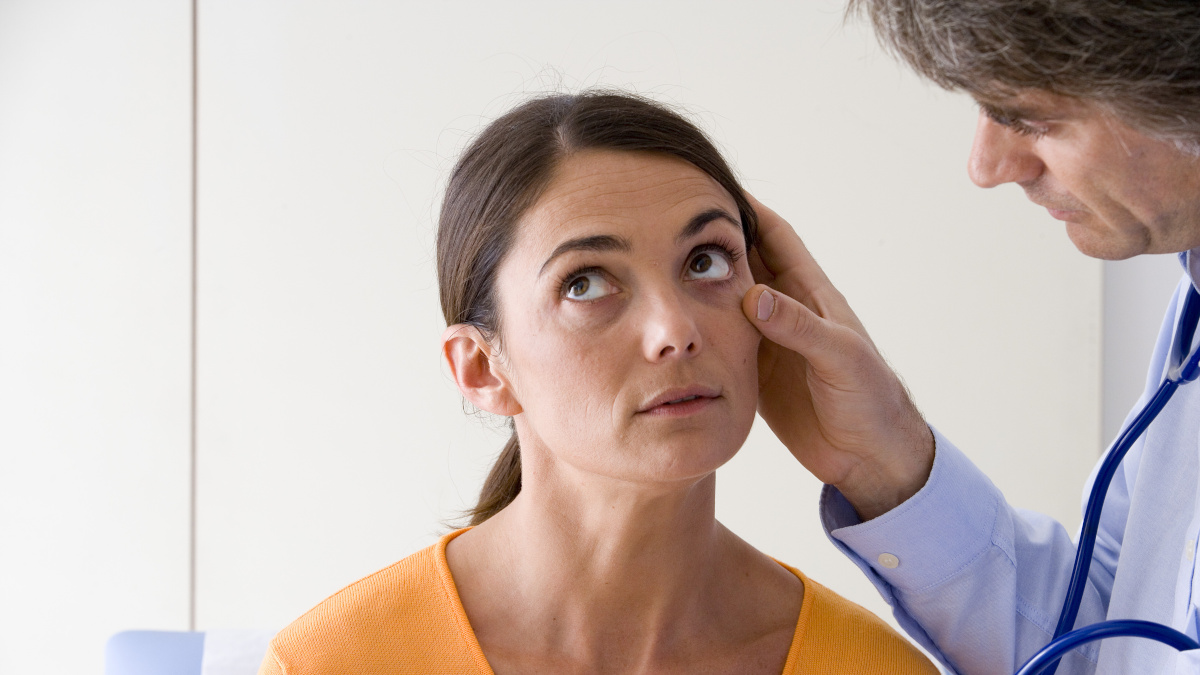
(192, 395)
(1104, 370)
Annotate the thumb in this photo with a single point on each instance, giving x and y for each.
(788, 323)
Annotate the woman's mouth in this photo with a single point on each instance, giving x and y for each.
(681, 402)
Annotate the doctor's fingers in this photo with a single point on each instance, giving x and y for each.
(782, 250)
(834, 350)
(793, 271)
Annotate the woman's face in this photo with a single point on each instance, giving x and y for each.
(622, 338)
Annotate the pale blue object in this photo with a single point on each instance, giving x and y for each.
(1045, 660)
(979, 582)
(154, 652)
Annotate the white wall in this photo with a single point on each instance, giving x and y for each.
(1136, 293)
(329, 440)
(95, 118)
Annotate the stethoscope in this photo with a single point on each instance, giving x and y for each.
(1184, 367)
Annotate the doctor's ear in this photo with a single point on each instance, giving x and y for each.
(474, 365)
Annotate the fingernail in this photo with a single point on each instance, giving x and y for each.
(766, 305)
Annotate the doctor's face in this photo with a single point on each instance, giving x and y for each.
(1120, 192)
(621, 333)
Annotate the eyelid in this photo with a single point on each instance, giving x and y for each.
(731, 255)
(566, 279)
(725, 248)
(1026, 128)
(565, 284)
(1014, 123)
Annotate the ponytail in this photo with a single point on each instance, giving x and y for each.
(503, 483)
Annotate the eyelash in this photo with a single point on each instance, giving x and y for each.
(720, 245)
(1014, 124)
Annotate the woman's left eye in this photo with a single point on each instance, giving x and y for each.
(708, 265)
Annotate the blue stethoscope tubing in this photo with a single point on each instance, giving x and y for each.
(1185, 367)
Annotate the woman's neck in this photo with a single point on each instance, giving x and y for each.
(592, 568)
(612, 551)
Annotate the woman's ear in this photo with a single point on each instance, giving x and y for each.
(473, 366)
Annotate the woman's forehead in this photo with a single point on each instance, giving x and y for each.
(622, 190)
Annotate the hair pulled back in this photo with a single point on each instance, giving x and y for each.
(504, 172)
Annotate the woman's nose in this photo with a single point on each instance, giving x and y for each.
(1000, 155)
(671, 330)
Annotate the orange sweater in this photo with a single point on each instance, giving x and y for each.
(408, 618)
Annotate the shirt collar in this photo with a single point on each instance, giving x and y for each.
(1191, 264)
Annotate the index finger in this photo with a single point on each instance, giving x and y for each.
(786, 256)
(782, 250)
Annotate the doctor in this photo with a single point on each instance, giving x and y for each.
(1093, 108)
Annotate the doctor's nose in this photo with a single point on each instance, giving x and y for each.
(1000, 155)
(670, 330)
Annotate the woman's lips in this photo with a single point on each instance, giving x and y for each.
(681, 402)
(682, 409)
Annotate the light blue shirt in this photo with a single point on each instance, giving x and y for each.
(980, 583)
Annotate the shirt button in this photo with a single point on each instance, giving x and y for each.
(888, 560)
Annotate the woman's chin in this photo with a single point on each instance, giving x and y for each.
(670, 456)
(682, 463)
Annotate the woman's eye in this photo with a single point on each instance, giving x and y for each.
(588, 287)
(708, 265)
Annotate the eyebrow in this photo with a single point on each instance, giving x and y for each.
(701, 220)
(597, 242)
(608, 242)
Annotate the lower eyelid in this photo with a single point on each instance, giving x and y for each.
(727, 276)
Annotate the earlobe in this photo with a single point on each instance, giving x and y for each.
(472, 365)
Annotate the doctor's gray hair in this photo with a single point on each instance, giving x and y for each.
(1140, 61)
(504, 172)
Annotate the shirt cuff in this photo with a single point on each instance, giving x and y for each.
(929, 538)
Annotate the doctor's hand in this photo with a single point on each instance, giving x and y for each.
(824, 388)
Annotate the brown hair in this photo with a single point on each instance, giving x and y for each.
(1139, 60)
(503, 173)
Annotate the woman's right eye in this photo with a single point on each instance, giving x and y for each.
(590, 286)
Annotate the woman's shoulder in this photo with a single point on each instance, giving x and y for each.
(403, 618)
(392, 592)
(837, 635)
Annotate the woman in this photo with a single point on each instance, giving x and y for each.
(592, 259)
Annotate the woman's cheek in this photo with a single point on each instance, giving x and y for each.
(739, 340)
(578, 347)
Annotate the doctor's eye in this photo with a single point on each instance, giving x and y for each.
(710, 262)
(1025, 128)
(1013, 123)
(587, 285)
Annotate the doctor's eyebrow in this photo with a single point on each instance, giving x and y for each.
(597, 242)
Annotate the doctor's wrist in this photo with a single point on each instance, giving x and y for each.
(878, 487)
